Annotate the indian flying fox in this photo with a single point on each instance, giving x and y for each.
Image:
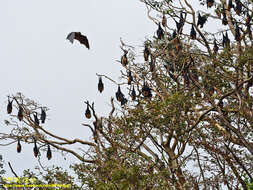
(160, 32)
(9, 106)
(78, 36)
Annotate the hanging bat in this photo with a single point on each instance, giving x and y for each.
(87, 112)
(146, 53)
(146, 91)
(226, 41)
(160, 32)
(36, 120)
(151, 66)
(35, 149)
(201, 20)
(43, 116)
(224, 20)
(248, 19)
(100, 85)
(78, 36)
(209, 3)
(20, 113)
(164, 21)
(193, 33)
(119, 94)
(133, 94)
(215, 47)
(238, 7)
(237, 33)
(174, 34)
(123, 101)
(49, 152)
(129, 78)
(19, 146)
(230, 5)
(9, 106)
(124, 60)
(179, 26)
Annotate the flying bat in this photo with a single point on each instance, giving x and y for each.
(78, 36)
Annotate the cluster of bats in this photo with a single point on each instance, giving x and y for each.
(202, 19)
(36, 121)
(146, 91)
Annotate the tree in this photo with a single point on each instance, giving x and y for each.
(189, 123)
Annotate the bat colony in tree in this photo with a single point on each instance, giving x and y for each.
(36, 122)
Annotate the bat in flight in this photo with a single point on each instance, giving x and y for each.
(78, 36)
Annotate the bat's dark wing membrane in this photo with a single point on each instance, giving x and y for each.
(82, 39)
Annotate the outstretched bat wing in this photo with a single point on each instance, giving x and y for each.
(71, 37)
(82, 39)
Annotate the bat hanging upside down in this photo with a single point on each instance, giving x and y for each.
(78, 36)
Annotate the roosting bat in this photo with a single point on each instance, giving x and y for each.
(129, 78)
(9, 106)
(78, 36)
(49, 152)
(19, 146)
(146, 53)
(100, 85)
(160, 32)
(193, 33)
(209, 3)
(201, 20)
(215, 47)
(20, 113)
(87, 112)
(43, 116)
(133, 94)
(36, 120)
(35, 149)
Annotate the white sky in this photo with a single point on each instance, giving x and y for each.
(37, 60)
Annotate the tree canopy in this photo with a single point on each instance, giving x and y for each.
(187, 120)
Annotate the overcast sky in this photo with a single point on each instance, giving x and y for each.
(38, 61)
